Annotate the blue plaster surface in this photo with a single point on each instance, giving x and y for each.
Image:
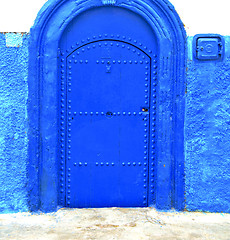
(13, 122)
(207, 128)
(207, 134)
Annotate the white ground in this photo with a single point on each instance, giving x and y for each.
(115, 223)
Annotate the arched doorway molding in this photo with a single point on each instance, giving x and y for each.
(52, 20)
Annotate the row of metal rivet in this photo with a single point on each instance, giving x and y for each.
(108, 62)
(111, 164)
(113, 114)
(107, 38)
(153, 135)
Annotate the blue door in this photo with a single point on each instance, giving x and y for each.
(106, 82)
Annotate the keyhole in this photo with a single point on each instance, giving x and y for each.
(109, 114)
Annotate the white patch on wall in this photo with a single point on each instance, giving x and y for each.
(13, 39)
(198, 16)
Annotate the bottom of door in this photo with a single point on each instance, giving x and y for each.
(108, 185)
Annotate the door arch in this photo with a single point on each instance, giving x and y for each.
(110, 78)
(49, 37)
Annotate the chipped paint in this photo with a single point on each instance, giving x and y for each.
(14, 39)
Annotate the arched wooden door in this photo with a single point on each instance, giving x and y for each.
(106, 104)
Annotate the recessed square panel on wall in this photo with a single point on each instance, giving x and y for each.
(207, 47)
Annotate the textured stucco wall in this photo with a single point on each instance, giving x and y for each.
(207, 134)
(13, 122)
(207, 129)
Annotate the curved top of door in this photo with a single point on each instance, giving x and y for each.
(56, 15)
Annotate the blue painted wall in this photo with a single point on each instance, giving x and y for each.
(207, 128)
(13, 122)
(207, 134)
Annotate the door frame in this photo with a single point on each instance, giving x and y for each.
(43, 168)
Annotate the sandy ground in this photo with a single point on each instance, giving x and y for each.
(115, 223)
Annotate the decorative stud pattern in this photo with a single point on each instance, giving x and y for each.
(122, 40)
(69, 122)
(113, 114)
(150, 81)
(108, 164)
(152, 159)
(62, 132)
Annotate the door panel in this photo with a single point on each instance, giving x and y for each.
(108, 126)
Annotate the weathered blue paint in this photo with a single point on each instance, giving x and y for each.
(13, 122)
(207, 143)
(207, 127)
(43, 85)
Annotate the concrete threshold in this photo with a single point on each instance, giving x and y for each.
(115, 223)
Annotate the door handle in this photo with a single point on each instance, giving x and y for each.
(144, 109)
